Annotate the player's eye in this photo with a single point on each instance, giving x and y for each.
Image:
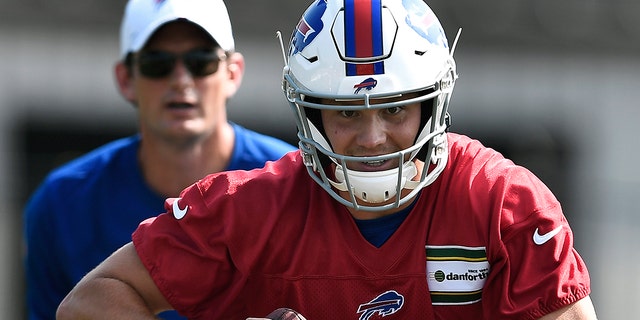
(394, 110)
(348, 113)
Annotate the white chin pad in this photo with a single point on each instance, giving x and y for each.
(375, 186)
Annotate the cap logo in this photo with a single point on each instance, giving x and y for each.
(367, 84)
(308, 27)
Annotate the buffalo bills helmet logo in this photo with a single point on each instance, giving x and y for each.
(308, 27)
(383, 305)
(423, 21)
(367, 84)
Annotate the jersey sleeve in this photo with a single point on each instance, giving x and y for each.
(184, 251)
(203, 249)
(536, 269)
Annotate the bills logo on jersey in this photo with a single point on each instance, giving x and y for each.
(367, 84)
(423, 21)
(383, 305)
(308, 27)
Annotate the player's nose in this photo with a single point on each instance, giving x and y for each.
(372, 133)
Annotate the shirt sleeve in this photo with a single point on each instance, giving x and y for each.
(185, 251)
(536, 269)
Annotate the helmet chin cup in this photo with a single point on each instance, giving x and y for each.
(374, 186)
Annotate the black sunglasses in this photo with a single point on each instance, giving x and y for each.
(159, 64)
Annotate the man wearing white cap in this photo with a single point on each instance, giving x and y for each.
(178, 68)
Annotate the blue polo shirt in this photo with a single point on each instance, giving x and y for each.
(86, 209)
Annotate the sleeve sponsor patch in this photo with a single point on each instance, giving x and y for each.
(456, 274)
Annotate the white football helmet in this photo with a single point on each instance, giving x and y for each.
(368, 50)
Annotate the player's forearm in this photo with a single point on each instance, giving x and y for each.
(103, 298)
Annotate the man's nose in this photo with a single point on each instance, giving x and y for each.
(373, 132)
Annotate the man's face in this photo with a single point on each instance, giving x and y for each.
(371, 132)
(181, 106)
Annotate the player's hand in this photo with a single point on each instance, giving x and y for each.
(282, 314)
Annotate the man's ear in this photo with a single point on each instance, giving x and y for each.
(124, 80)
(235, 70)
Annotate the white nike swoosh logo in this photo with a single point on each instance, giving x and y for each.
(540, 239)
(177, 212)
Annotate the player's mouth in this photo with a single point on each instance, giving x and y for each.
(374, 165)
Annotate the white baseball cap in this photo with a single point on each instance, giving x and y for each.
(143, 17)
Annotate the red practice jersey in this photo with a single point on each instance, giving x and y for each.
(486, 240)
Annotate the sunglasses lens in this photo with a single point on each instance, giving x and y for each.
(156, 64)
(201, 62)
(159, 64)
